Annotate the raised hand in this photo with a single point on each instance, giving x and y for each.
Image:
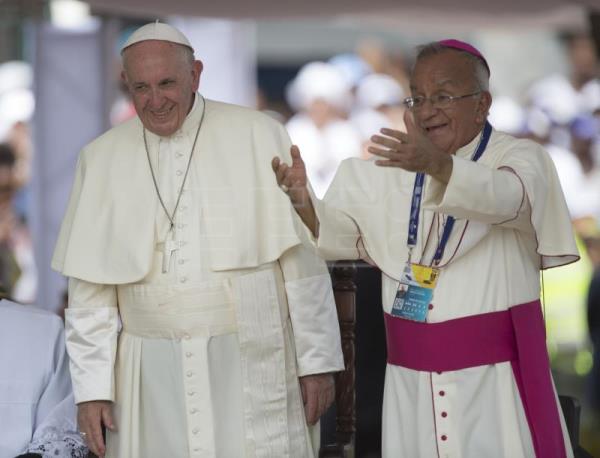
(412, 151)
(294, 182)
(292, 179)
(90, 417)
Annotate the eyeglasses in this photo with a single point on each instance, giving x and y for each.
(439, 101)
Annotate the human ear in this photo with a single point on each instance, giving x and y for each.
(197, 68)
(483, 106)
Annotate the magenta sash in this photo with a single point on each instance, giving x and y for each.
(516, 335)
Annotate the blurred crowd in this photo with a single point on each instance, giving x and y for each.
(562, 112)
(17, 267)
(340, 103)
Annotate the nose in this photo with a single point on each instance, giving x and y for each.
(156, 99)
(427, 110)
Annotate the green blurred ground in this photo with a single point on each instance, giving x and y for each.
(565, 292)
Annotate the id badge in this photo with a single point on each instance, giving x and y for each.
(415, 292)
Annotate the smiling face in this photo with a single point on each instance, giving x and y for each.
(162, 81)
(449, 73)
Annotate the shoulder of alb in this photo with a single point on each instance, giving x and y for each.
(240, 116)
(105, 144)
(508, 149)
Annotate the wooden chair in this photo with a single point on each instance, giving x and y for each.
(343, 276)
(572, 411)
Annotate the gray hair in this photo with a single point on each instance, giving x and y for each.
(480, 72)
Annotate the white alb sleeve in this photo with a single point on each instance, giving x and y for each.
(312, 312)
(91, 325)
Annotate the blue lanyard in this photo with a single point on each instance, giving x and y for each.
(415, 206)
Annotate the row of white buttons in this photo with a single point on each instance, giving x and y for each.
(190, 374)
(181, 224)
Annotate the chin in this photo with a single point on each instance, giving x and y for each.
(162, 129)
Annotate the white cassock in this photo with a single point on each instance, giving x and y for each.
(512, 221)
(210, 351)
(37, 410)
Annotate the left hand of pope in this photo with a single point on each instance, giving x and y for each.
(411, 151)
(318, 392)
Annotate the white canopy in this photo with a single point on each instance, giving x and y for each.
(304, 8)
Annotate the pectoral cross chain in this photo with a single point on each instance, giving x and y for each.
(170, 245)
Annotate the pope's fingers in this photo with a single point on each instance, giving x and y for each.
(327, 398)
(330, 394)
(89, 436)
(304, 393)
(323, 403)
(96, 436)
(281, 173)
(276, 166)
(275, 163)
(107, 418)
(296, 156)
(311, 407)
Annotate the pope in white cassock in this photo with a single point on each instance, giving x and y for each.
(174, 226)
(460, 219)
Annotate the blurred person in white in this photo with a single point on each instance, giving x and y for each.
(460, 218)
(564, 97)
(352, 67)
(322, 99)
(37, 409)
(17, 105)
(379, 104)
(585, 146)
(579, 183)
(576, 164)
(16, 247)
(229, 330)
(17, 265)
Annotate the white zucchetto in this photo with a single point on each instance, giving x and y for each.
(157, 31)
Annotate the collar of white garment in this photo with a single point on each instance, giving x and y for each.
(468, 150)
(189, 126)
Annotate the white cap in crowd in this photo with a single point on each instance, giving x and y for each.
(352, 67)
(507, 115)
(17, 102)
(319, 80)
(377, 90)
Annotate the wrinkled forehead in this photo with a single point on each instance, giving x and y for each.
(444, 70)
(153, 50)
(148, 61)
